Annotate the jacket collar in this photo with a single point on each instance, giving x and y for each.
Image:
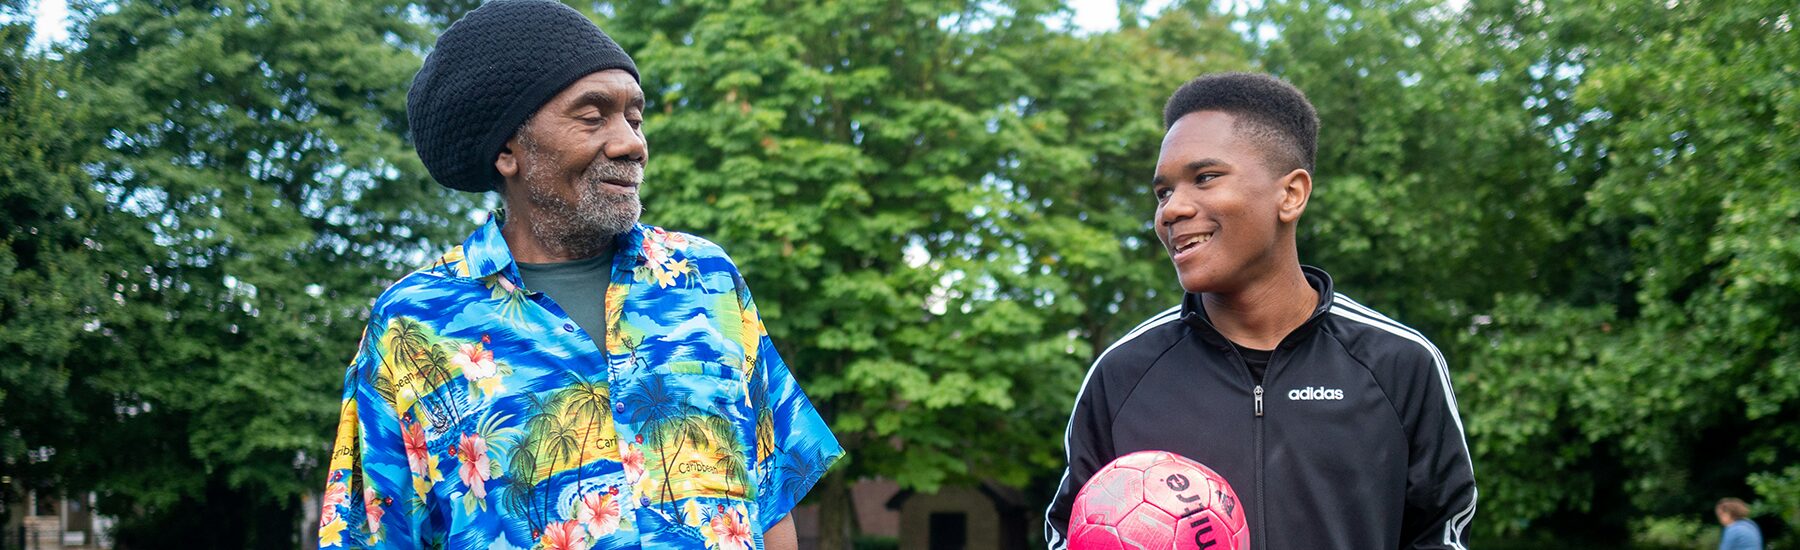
(487, 255)
(1194, 313)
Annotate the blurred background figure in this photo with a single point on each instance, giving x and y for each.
(1740, 532)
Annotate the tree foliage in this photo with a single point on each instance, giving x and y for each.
(258, 193)
(1683, 143)
(48, 251)
(1589, 200)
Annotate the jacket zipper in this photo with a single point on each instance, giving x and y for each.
(1262, 502)
(1257, 525)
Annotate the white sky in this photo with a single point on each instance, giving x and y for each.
(51, 22)
(1103, 15)
(52, 17)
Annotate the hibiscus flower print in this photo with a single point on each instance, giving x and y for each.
(634, 463)
(674, 241)
(475, 362)
(600, 514)
(416, 451)
(659, 259)
(658, 243)
(419, 459)
(335, 496)
(468, 442)
(472, 451)
(331, 525)
(654, 253)
(729, 531)
(372, 507)
(564, 536)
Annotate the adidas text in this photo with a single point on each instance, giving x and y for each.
(1315, 394)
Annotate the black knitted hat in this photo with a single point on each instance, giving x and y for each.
(488, 73)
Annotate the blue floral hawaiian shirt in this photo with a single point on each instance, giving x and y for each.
(476, 414)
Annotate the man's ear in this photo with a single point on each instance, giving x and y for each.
(1296, 189)
(508, 162)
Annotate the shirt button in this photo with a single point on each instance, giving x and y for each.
(568, 327)
(619, 408)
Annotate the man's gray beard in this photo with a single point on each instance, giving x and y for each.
(585, 228)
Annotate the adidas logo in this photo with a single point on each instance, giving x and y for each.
(1315, 394)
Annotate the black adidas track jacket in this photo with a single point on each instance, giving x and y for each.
(1352, 441)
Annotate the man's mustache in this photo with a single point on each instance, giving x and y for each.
(627, 171)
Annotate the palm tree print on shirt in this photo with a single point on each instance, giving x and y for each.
(695, 452)
(475, 417)
(565, 430)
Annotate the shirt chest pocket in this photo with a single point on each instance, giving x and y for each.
(695, 389)
(664, 329)
(683, 357)
(693, 417)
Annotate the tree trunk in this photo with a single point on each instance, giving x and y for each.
(837, 518)
(309, 520)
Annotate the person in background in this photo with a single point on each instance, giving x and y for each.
(1740, 532)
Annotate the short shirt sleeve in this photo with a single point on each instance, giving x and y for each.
(369, 483)
(793, 445)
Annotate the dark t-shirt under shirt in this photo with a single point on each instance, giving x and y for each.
(578, 286)
(1256, 359)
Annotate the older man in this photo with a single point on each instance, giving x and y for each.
(567, 377)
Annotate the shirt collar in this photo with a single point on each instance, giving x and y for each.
(1193, 312)
(485, 249)
(487, 254)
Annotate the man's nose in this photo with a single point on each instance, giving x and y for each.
(625, 143)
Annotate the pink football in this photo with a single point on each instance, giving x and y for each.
(1157, 500)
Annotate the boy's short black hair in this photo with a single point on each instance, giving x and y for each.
(1268, 110)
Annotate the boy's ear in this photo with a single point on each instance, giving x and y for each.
(1296, 189)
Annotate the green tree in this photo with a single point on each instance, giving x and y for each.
(1683, 131)
(50, 253)
(1428, 154)
(1585, 202)
(254, 150)
(1695, 149)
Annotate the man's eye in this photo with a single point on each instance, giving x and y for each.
(1163, 193)
(1203, 178)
